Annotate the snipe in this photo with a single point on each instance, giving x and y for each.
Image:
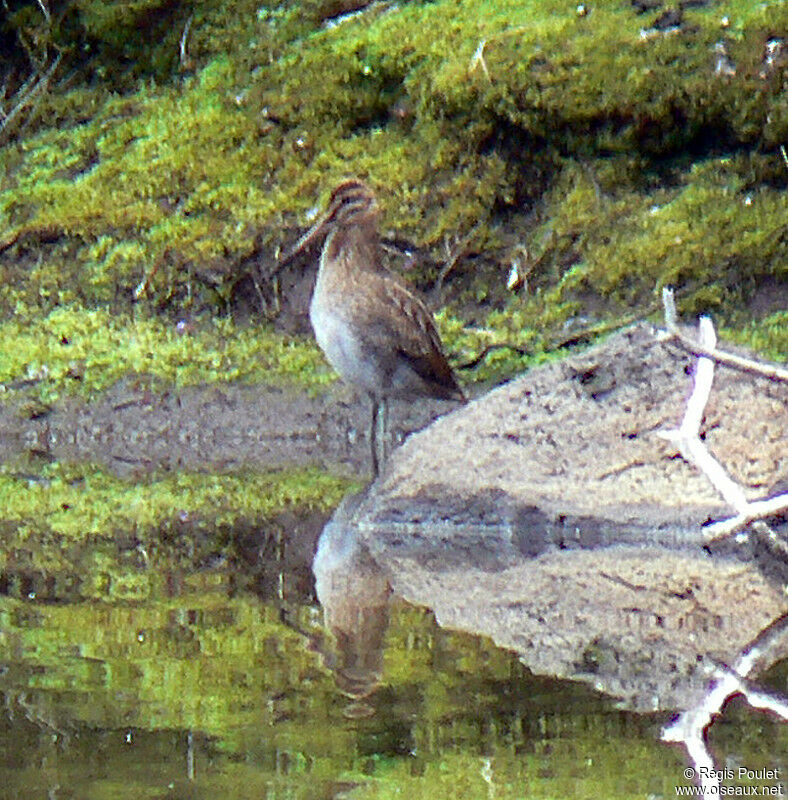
(374, 331)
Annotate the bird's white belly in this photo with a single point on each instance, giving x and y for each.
(343, 347)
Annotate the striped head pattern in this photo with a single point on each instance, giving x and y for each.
(351, 202)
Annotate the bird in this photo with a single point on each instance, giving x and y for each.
(373, 330)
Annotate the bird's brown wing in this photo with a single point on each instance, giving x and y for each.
(397, 314)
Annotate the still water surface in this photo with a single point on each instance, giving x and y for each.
(230, 680)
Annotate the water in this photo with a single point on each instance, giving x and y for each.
(229, 679)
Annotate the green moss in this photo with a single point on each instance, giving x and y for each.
(714, 236)
(768, 335)
(83, 351)
(511, 338)
(622, 163)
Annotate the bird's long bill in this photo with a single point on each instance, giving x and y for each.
(306, 240)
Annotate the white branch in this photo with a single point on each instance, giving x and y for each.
(771, 371)
(704, 376)
(184, 50)
(689, 727)
(45, 11)
(757, 509)
(478, 56)
(687, 436)
(478, 60)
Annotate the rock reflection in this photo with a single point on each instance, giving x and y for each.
(354, 593)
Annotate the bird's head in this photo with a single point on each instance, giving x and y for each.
(351, 203)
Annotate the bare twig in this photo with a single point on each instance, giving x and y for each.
(491, 348)
(687, 437)
(478, 56)
(141, 289)
(186, 61)
(771, 371)
(754, 510)
(478, 60)
(689, 728)
(453, 256)
(20, 92)
(39, 84)
(755, 695)
(45, 233)
(45, 11)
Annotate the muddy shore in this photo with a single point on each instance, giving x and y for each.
(131, 430)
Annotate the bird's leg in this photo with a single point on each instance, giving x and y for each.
(378, 434)
(373, 436)
(383, 430)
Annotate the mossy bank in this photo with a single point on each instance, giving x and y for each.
(177, 148)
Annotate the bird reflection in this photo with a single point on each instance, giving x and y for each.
(354, 594)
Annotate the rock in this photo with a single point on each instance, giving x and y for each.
(550, 515)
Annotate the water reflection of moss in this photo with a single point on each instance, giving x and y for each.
(75, 515)
(265, 714)
(200, 661)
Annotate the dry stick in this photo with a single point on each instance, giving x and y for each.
(478, 56)
(32, 87)
(44, 233)
(702, 349)
(184, 53)
(754, 511)
(689, 727)
(452, 259)
(37, 97)
(141, 289)
(687, 437)
(491, 348)
(44, 11)
(693, 450)
(40, 83)
(20, 92)
(478, 60)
